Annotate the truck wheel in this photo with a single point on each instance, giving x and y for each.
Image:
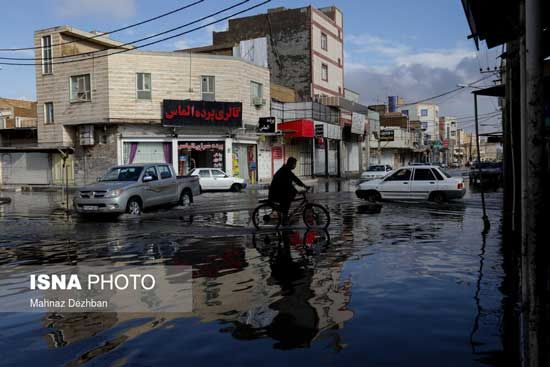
(236, 187)
(185, 199)
(134, 206)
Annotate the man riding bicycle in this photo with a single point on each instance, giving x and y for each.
(282, 188)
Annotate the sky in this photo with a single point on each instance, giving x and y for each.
(412, 49)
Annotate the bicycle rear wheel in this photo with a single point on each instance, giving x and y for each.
(266, 216)
(316, 216)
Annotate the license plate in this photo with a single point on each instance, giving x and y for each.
(90, 207)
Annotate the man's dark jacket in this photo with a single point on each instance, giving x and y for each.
(281, 188)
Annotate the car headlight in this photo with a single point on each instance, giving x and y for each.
(114, 193)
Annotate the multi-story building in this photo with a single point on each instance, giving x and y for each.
(428, 115)
(447, 136)
(304, 47)
(135, 107)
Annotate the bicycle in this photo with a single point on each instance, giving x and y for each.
(269, 215)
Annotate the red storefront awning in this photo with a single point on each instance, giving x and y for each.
(301, 128)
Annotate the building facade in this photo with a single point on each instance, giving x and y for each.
(304, 46)
(118, 107)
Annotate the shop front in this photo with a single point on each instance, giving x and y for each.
(327, 149)
(193, 154)
(298, 143)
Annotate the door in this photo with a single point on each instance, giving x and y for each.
(168, 184)
(26, 168)
(152, 194)
(397, 185)
(423, 183)
(221, 182)
(205, 180)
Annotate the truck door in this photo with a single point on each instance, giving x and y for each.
(168, 185)
(151, 190)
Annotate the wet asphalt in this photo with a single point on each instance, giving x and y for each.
(410, 283)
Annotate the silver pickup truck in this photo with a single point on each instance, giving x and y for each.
(135, 187)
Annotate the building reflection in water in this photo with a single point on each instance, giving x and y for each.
(273, 289)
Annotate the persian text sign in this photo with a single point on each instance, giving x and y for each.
(202, 113)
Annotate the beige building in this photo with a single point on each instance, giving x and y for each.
(111, 107)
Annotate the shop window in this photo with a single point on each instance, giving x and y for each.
(48, 113)
(208, 88)
(47, 55)
(80, 88)
(143, 86)
(324, 72)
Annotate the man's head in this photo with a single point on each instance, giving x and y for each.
(291, 162)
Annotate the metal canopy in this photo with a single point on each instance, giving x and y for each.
(496, 91)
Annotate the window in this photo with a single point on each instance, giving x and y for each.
(423, 112)
(48, 113)
(80, 88)
(437, 174)
(47, 55)
(204, 173)
(217, 173)
(164, 172)
(151, 171)
(256, 91)
(324, 41)
(324, 72)
(423, 174)
(401, 175)
(143, 86)
(208, 88)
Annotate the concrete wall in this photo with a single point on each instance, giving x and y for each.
(288, 32)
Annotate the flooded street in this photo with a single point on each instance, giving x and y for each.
(411, 284)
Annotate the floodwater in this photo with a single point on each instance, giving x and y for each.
(410, 284)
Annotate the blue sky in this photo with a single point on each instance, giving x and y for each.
(414, 49)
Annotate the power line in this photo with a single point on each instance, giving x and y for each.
(106, 33)
(146, 44)
(446, 93)
(127, 43)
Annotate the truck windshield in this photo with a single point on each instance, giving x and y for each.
(123, 174)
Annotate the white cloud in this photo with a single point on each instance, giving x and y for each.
(112, 8)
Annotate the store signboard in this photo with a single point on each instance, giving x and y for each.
(202, 113)
(387, 135)
(266, 125)
(357, 123)
(319, 130)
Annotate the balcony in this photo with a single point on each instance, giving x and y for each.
(19, 123)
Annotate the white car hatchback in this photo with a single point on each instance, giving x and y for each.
(375, 171)
(413, 183)
(215, 179)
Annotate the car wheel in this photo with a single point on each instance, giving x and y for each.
(438, 197)
(185, 199)
(236, 187)
(372, 196)
(134, 206)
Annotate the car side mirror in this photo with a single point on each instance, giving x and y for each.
(98, 178)
(147, 178)
(225, 176)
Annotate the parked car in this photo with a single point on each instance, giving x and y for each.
(414, 182)
(216, 179)
(375, 171)
(490, 173)
(133, 188)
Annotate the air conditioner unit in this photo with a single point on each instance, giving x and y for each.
(258, 101)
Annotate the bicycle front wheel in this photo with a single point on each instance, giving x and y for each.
(316, 216)
(266, 217)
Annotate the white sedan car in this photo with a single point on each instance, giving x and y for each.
(414, 183)
(216, 179)
(374, 172)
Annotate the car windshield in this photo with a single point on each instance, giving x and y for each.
(123, 174)
(376, 169)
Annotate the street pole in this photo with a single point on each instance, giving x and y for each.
(379, 149)
(486, 223)
(533, 163)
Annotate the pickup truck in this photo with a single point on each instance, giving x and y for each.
(135, 187)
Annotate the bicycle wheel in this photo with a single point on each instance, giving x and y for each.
(266, 216)
(316, 216)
